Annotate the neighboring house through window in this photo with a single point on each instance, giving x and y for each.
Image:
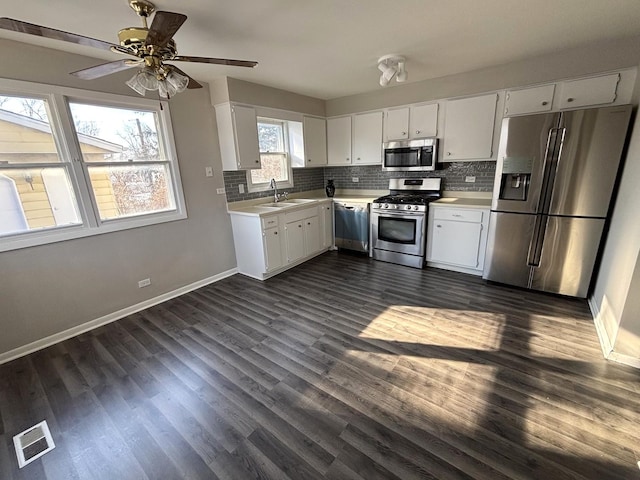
(75, 163)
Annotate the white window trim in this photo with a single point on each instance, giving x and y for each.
(62, 125)
(264, 186)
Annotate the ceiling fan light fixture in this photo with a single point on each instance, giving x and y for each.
(177, 80)
(135, 85)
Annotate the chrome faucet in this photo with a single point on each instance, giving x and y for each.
(272, 184)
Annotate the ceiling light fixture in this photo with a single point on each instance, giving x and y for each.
(392, 66)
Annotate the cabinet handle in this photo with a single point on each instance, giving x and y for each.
(404, 133)
(358, 158)
(545, 103)
(439, 226)
(275, 233)
(570, 99)
(308, 160)
(257, 161)
(456, 215)
(308, 223)
(299, 225)
(347, 159)
(417, 132)
(448, 153)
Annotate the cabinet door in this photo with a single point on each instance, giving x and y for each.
(312, 238)
(529, 100)
(468, 132)
(367, 138)
(589, 91)
(246, 137)
(339, 141)
(315, 141)
(396, 124)
(423, 121)
(294, 240)
(272, 249)
(457, 243)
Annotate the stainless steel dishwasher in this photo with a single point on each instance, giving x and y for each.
(352, 225)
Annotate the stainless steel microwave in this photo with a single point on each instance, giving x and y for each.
(410, 155)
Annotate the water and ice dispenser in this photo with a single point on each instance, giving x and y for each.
(516, 177)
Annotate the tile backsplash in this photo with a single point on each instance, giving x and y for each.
(371, 178)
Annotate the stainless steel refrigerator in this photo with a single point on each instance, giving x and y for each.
(555, 176)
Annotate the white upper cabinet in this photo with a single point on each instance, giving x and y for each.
(238, 137)
(469, 127)
(589, 91)
(367, 138)
(396, 124)
(423, 121)
(417, 121)
(315, 141)
(339, 141)
(529, 100)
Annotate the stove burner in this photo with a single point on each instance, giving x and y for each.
(407, 198)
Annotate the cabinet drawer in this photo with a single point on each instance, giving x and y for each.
(459, 214)
(269, 222)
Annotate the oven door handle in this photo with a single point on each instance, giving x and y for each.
(398, 214)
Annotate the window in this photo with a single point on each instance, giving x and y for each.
(274, 156)
(76, 163)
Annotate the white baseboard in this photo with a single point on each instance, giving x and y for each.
(603, 336)
(111, 317)
(605, 342)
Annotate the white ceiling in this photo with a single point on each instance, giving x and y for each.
(329, 48)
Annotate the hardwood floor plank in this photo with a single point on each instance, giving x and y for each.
(341, 368)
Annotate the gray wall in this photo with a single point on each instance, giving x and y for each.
(47, 289)
(612, 55)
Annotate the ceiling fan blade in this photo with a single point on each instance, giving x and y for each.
(192, 82)
(104, 69)
(40, 31)
(163, 27)
(217, 61)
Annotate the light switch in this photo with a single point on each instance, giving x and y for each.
(208, 171)
(355, 179)
(241, 188)
(470, 179)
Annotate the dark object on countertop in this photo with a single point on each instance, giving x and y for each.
(330, 188)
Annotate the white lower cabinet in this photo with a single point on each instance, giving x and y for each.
(326, 223)
(269, 244)
(302, 234)
(457, 238)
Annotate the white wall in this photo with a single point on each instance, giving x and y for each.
(47, 289)
(616, 296)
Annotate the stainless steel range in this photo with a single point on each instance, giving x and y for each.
(399, 220)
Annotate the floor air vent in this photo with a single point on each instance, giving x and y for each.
(33, 443)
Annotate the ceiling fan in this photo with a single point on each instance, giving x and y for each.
(151, 47)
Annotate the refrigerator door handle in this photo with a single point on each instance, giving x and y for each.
(537, 239)
(547, 168)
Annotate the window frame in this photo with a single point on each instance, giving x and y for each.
(253, 187)
(67, 142)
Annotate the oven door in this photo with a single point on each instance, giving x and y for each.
(401, 232)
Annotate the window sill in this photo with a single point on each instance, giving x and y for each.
(62, 234)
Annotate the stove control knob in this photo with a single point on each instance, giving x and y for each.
(386, 205)
(408, 207)
(395, 206)
(415, 207)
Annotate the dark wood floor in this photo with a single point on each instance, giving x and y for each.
(343, 368)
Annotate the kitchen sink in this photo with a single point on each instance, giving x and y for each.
(298, 200)
(288, 203)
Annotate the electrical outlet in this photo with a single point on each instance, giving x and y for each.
(241, 188)
(220, 191)
(144, 283)
(355, 179)
(208, 171)
(470, 179)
